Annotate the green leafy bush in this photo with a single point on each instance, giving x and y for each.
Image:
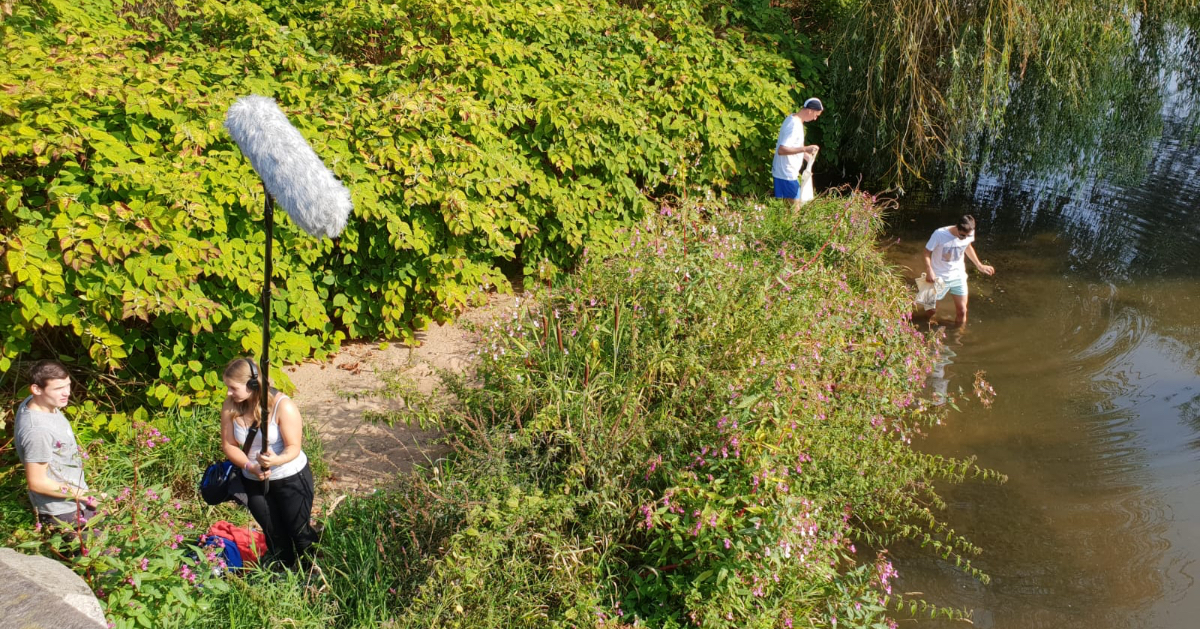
(469, 134)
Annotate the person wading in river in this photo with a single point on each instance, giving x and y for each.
(944, 258)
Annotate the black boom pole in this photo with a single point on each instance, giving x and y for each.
(264, 367)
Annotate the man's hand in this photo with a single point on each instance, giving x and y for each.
(812, 149)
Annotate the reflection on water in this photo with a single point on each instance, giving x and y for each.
(939, 380)
(1090, 334)
(1120, 176)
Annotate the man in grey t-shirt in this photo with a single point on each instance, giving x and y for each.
(46, 446)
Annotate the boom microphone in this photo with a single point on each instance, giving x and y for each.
(290, 170)
(294, 177)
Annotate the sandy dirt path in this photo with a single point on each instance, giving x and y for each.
(334, 395)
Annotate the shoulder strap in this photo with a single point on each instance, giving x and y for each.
(253, 430)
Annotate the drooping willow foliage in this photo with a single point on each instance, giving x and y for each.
(924, 87)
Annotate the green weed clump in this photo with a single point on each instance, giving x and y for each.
(710, 427)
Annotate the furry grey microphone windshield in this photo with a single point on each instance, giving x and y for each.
(290, 170)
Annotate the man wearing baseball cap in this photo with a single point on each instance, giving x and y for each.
(790, 150)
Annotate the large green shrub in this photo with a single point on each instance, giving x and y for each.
(710, 428)
(469, 133)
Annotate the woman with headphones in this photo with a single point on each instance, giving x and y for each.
(284, 510)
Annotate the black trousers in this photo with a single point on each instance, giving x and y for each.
(283, 514)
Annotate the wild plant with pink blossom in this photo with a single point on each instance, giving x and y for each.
(711, 426)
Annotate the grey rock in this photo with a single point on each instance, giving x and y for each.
(37, 592)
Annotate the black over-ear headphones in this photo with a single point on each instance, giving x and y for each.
(252, 384)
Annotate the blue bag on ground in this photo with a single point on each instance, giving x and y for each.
(229, 550)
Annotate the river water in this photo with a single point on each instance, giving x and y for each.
(1090, 334)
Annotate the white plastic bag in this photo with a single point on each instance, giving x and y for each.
(927, 292)
(806, 185)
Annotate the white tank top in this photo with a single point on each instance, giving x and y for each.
(274, 441)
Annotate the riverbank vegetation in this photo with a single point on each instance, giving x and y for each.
(701, 417)
(708, 427)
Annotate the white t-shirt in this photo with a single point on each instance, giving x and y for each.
(948, 254)
(791, 134)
